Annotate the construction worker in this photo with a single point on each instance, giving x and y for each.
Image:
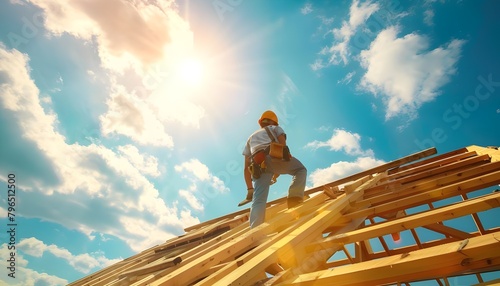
(261, 169)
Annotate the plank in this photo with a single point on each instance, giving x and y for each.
(378, 169)
(427, 160)
(316, 258)
(433, 174)
(432, 165)
(426, 185)
(402, 201)
(111, 272)
(165, 263)
(448, 231)
(260, 258)
(443, 260)
(287, 251)
(417, 220)
(492, 151)
(233, 246)
(291, 244)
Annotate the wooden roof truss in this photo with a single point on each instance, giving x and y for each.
(396, 224)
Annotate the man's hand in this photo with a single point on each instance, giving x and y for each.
(274, 178)
(248, 198)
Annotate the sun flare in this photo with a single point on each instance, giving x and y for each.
(191, 71)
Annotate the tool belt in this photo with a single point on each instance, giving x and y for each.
(258, 163)
(277, 150)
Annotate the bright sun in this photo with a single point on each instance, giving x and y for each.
(191, 72)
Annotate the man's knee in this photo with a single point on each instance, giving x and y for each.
(302, 172)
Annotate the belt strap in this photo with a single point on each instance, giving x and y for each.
(269, 133)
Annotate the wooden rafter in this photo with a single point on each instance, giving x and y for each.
(359, 217)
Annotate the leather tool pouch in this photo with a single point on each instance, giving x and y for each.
(276, 150)
(255, 170)
(286, 154)
(257, 167)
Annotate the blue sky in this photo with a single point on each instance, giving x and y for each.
(124, 121)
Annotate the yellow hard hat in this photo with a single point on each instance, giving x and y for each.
(268, 114)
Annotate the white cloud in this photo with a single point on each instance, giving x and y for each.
(204, 185)
(146, 164)
(326, 21)
(191, 199)
(201, 173)
(348, 78)
(323, 128)
(429, 11)
(306, 9)
(358, 14)
(318, 65)
(24, 275)
(405, 72)
(349, 143)
(195, 167)
(130, 116)
(288, 88)
(146, 37)
(342, 140)
(429, 17)
(342, 169)
(88, 188)
(140, 38)
(83, 263)
(284, 108)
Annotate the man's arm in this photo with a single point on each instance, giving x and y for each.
(246, 173)
(248, 182)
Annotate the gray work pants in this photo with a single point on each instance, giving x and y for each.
(261, 186)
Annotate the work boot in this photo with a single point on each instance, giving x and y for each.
(293, 201)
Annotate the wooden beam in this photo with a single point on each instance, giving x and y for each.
(448, 231)
(232, 246)
(195, 253)
(296, 245)
(316, 258)
(248, 267)
(405, 202)
(157, 265)
(433, 174)
(286, 250)
(479, 253)
(493, 152)
(351, 187)
(110, 273)
(419, 187)
(427, 160)
(378, 169)
(416, 220)
(432, 165)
